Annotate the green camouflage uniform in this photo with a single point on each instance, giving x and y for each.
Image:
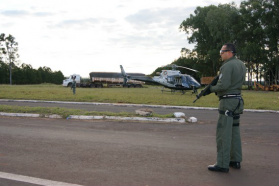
(74, 87)
(228, 89)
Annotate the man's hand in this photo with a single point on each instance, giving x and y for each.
(207, 90)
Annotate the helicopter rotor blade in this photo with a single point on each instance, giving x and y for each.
(175, 66)
(188, 68)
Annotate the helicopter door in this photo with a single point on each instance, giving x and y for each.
(170, 79)
(178, 81)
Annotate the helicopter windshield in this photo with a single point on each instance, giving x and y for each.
(189, 81)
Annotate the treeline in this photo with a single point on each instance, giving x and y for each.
(25, 74)
(253, 27)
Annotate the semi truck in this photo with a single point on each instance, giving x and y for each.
(69, 81)
(104, 79)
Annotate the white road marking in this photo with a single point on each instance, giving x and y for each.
(38, 181)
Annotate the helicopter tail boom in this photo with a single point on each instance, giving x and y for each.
(138, 78)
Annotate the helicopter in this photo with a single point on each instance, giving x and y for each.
(172, 79)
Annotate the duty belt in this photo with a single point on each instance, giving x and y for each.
(228, 96)
(229, 112)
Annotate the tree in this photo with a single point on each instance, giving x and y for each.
(210, 28)
(253, 28)
(4, 73)
(260, 38)
(57, 77)
(195, 25)
(271, 25)
(9, 48)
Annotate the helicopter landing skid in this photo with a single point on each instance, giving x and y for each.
(195, 91)
(182, 91)
(172, 91)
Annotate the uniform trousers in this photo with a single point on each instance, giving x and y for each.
(228, 138)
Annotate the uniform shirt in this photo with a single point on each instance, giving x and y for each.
(74, 84)
(231, 78)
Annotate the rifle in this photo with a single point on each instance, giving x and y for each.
(206, 90)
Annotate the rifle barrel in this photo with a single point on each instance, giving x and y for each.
(198, 97)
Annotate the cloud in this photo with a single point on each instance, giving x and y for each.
(78, 22)
(151, 43)
(83, 23)
(43, 14)
(146, 16)
(162, 16)
(156, 28)
(20, 13)
(14, 13)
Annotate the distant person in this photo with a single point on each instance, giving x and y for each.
(228, 89)
(74, 84)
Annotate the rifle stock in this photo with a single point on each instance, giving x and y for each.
(206, 90)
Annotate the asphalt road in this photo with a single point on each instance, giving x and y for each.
(135, 153)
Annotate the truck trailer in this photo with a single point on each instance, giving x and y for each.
(113, 79)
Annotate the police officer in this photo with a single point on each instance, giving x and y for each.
(73, 87)
(228, 89)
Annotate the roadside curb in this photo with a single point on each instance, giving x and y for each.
(81, 117)
(171, 120)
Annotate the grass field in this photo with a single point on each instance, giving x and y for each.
(266, 100)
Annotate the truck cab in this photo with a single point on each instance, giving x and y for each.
(68, 82)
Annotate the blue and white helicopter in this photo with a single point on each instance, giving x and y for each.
(172, 79)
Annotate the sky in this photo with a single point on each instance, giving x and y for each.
(79, 37)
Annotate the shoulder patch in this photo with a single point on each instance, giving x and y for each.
(220, 76)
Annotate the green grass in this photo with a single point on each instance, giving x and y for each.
(267, 100)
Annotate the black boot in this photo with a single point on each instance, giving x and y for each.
(235, 164)
(217, 168)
